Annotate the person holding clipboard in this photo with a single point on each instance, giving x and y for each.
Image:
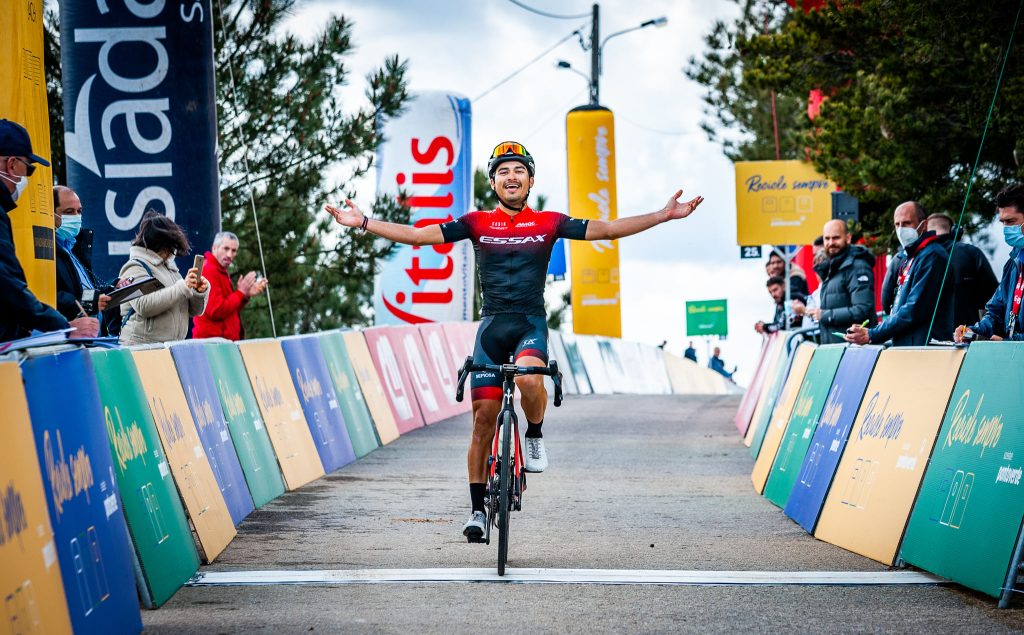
(162, 315)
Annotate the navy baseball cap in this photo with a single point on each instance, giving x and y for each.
(15, 142)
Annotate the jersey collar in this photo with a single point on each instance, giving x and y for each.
(519, 216)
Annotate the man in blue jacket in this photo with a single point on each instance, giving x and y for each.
(1004, 319)
(920, 292)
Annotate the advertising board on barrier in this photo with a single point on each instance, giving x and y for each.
(23, 100)
(156, 520)
(590, 141)
(30, 580)
(93, 547)
(802, 423)
(556, 351)
(830, 436)
(750, 397)
(346, 389)
(371, 386)
(460, 345)
(868, 505)
(279, 404)
(204, 403)
(967, 518)
(408, 347)
(245, 424)
(189, 464)
(445, 367)
(775, 379)
(140, 115)
(397, 386)
(576, 365)
(315, 390)
(426, 157)
(780, 416)
(593, 362)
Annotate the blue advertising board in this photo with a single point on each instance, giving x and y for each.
(822, 458)
(203, 401)
(140, 119)
(319, 402)
(93, 547)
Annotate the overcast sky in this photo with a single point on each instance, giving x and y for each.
(467, 46)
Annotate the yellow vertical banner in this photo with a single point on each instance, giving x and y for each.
(23, 100)
(30, 580)
(590, 151)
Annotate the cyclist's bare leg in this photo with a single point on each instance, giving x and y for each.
(485, 415)
(531, 389)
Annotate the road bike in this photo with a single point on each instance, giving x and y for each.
(506, 473)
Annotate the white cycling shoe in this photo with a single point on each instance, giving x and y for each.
(536, 456)
(473, 530)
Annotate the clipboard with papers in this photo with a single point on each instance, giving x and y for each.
(136, 289)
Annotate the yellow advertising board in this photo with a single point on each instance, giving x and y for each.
(30, 580)
(369, 383)
(590, 139)
(774, 356)
(781, 202)
(282, 413)
(890, 444)
(780, 417)
(190, 466)
(23, 100)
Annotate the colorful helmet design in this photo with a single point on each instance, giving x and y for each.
(509, 151)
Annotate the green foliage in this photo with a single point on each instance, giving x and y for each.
(287, 131)
(54, 93)
(908, 88)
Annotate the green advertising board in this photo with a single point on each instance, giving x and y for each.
(968, 513)
(774, 390)
(156, 518)
(802, 423)
(707, 317)
(361, 431)
(245, 424)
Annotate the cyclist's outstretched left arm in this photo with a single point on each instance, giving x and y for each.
(622, 227)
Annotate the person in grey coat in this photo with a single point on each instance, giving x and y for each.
(847, 295)
(163, 315)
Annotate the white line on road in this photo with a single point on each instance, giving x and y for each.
(563, 576)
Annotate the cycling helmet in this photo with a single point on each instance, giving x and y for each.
(509, 151)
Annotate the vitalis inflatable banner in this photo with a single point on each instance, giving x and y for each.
(140, 119)
(427, 158)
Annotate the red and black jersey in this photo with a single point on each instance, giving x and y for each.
(512, 254)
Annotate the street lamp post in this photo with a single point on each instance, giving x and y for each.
(597, 47)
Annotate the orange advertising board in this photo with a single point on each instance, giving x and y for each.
(282, 413)
(190, 466)
(30, 580)
(369, 383)
(780, 417)
(890, 444)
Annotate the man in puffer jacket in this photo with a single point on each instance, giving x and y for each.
(847, 294)
(163, 315)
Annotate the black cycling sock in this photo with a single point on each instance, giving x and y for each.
(476, 493)
(533, 430)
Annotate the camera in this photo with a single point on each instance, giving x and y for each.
(89, 301)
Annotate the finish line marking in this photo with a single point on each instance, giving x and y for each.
(565, 576)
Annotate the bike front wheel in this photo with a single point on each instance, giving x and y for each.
(504, 490)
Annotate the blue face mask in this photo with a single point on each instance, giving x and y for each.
(70, 225)
(1013, 235)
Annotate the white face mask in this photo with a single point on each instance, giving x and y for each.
(906, 235)
(20, 183)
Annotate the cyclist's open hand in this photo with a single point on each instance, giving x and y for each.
(681, 210)
(350, 215)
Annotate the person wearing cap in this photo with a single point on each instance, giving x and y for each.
(20, 311)
(513, 244)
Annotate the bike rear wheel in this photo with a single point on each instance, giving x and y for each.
(504, 490)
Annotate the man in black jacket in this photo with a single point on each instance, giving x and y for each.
(74, 278)
(920, 293)
(20, 310)
(847, 295)
(974, 282)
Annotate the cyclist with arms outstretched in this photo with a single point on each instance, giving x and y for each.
(513, 244)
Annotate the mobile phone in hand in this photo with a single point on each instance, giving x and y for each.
(197, 264)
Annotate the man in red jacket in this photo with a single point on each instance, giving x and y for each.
(221, 318)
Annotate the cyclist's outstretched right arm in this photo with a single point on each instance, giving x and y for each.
(352, 216)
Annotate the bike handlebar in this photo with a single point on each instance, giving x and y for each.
(551, 370)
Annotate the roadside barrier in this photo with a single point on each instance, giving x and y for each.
(750, 397)
(913, 458)
(776, 368)
(113, 494)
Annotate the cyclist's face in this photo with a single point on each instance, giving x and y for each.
(512, 183)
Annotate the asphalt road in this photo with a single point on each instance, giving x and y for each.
(635, 482)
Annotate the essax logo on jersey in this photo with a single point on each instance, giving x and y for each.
(512, 240)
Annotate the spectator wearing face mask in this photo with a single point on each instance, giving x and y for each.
(20, 311)
(74, 279)
(1004, 313)
(163, 315)
(919, 294)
